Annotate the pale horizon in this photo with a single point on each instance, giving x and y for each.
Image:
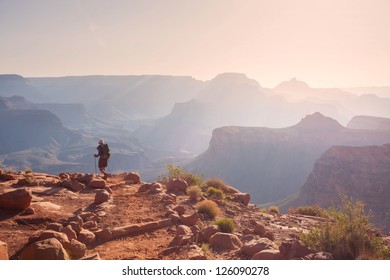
(325, 44)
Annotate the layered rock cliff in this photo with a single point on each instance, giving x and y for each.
(358, 172)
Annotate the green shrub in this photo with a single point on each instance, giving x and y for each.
(211, 191)
(315, 211)
(28, 171)
(178, 172)
(225, 225)
(194, 192)
(347, 234)
(208, 207)
(274, 210)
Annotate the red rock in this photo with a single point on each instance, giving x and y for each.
(244, 198)
(189, 220)
(48, 249)
(133, 178)
(177, 185)
(60, 236)
(97, 184)
(209, 231)
(101, 196)
(19, 199)
(76, 249)
(269, 254)
(226, 241)
(256, 246)
(259, 229)
(86, 237)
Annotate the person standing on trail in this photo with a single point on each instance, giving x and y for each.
(104, 155)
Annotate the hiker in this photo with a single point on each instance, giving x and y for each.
(104, 155)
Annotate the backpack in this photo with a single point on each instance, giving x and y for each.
(106, 151)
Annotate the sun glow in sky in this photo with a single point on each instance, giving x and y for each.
(323, 42)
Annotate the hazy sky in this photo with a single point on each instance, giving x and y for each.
(325, 43)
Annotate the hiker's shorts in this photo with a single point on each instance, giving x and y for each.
(103, 162)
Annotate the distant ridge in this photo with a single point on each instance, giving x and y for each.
(273, 164)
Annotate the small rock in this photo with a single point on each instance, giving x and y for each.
(101, 196)
(179, 209)
(97, 184)
(244, 198)
(270, 235)
(90, 225)
(247, 231)
(259, 229)
(29, 211)
(269, 254)
(54, 226)
(86, 237)
(133, 178)
(75, 226)
(76, 249)
(209, 231)
(190, 220)
(103, 235)
(225, 241)
(177, 185)
(70, 233)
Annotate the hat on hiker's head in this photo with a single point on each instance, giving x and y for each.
(101, 141)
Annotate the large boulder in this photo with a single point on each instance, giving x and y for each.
(3, 251)
(177, 185)
(48, 249)
(226, 241)
(19, 199)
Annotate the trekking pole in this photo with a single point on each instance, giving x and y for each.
(95, 165)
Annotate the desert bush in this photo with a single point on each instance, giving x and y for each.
(211, 191)
(315, 211)
(274, 210)
(194, 192)
(225, 225)
(28, 171)
(178, 172)
(220, 185)
(208, 207)
(347, 234)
